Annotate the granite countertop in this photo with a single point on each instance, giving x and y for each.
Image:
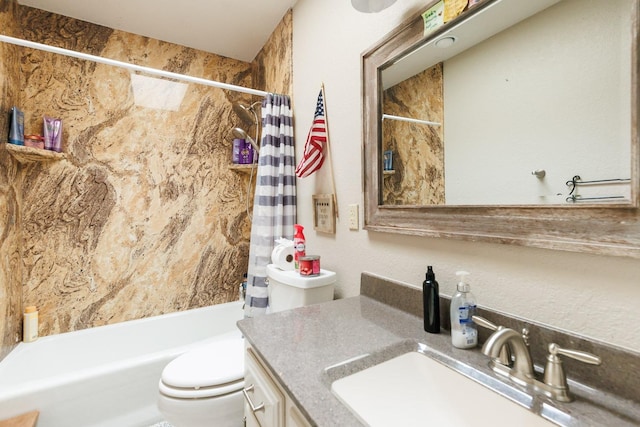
(298, 345)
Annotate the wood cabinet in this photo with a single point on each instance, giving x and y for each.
(266, 403)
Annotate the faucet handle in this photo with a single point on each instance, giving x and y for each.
(554, 375)
(481, 321)
(582, 356)
(505, 352)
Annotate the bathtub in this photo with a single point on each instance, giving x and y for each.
(106, 376)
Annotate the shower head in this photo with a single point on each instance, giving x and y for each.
(246, 114)
(240, 133)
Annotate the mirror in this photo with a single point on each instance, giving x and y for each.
(473, 190)
(488, 89)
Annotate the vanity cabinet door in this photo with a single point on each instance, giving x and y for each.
(294, 416)
(263, 398)
(249, 419)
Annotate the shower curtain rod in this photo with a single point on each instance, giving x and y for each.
(410, 120)
(133, 67)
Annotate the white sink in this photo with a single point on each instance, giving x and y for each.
(413, 389)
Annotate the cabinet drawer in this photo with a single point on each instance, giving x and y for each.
(263, 398)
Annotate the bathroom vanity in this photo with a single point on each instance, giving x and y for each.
(266, 402)
(295, 359)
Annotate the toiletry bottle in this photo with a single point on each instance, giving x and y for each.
(242, 291)
(16, 127)
(463, 305)
(30, 324)
(431, 302)
(238, 145)
(298, 244)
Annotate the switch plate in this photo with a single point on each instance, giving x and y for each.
(353, 217)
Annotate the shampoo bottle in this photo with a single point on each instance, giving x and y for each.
(463, 306)
(298, 244)
(30, 324)
(431, 302)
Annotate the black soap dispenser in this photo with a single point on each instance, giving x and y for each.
(431, 302)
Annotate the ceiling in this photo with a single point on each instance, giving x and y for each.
(233, 28)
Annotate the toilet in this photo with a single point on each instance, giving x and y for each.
(203, 386)
(288, 289)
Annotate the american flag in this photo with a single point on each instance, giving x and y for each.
(314, 147)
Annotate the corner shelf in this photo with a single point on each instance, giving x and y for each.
(30, 155)
(388, 172)
(243, 168)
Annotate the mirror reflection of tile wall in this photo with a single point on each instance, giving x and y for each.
(417, 175)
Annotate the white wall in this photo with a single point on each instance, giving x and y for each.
(541, 95)
(591, 295)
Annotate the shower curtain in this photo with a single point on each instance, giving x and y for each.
(274, 204)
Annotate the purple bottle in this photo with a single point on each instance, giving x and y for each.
(238, 146)
(246, 155)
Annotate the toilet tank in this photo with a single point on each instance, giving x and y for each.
(288, 289)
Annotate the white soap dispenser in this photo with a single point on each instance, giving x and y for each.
(464, 333)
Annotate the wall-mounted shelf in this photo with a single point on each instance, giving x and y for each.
(243, 168)
(30, 155)
(388, 172)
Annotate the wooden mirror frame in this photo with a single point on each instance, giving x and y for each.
(591, 228)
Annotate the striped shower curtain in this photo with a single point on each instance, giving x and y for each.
(274, 204)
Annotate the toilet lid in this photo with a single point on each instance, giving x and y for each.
(213, 369)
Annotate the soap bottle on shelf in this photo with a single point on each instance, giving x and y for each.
(464, 333)
(431, 302)
(298, 244)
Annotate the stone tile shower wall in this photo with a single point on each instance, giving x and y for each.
(273, 68)
(10, 260)
(143, 217)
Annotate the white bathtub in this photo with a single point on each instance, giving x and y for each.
(106, 376)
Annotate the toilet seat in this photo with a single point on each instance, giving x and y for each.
(214, 369)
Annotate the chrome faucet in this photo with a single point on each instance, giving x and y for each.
(522, 370)
(504, 358)
(554, 383)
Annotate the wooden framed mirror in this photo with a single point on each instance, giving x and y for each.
(601, 224)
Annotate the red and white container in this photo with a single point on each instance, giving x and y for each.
(309, 265)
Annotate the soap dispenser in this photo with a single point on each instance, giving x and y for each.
(464, 333)
(431, 302)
